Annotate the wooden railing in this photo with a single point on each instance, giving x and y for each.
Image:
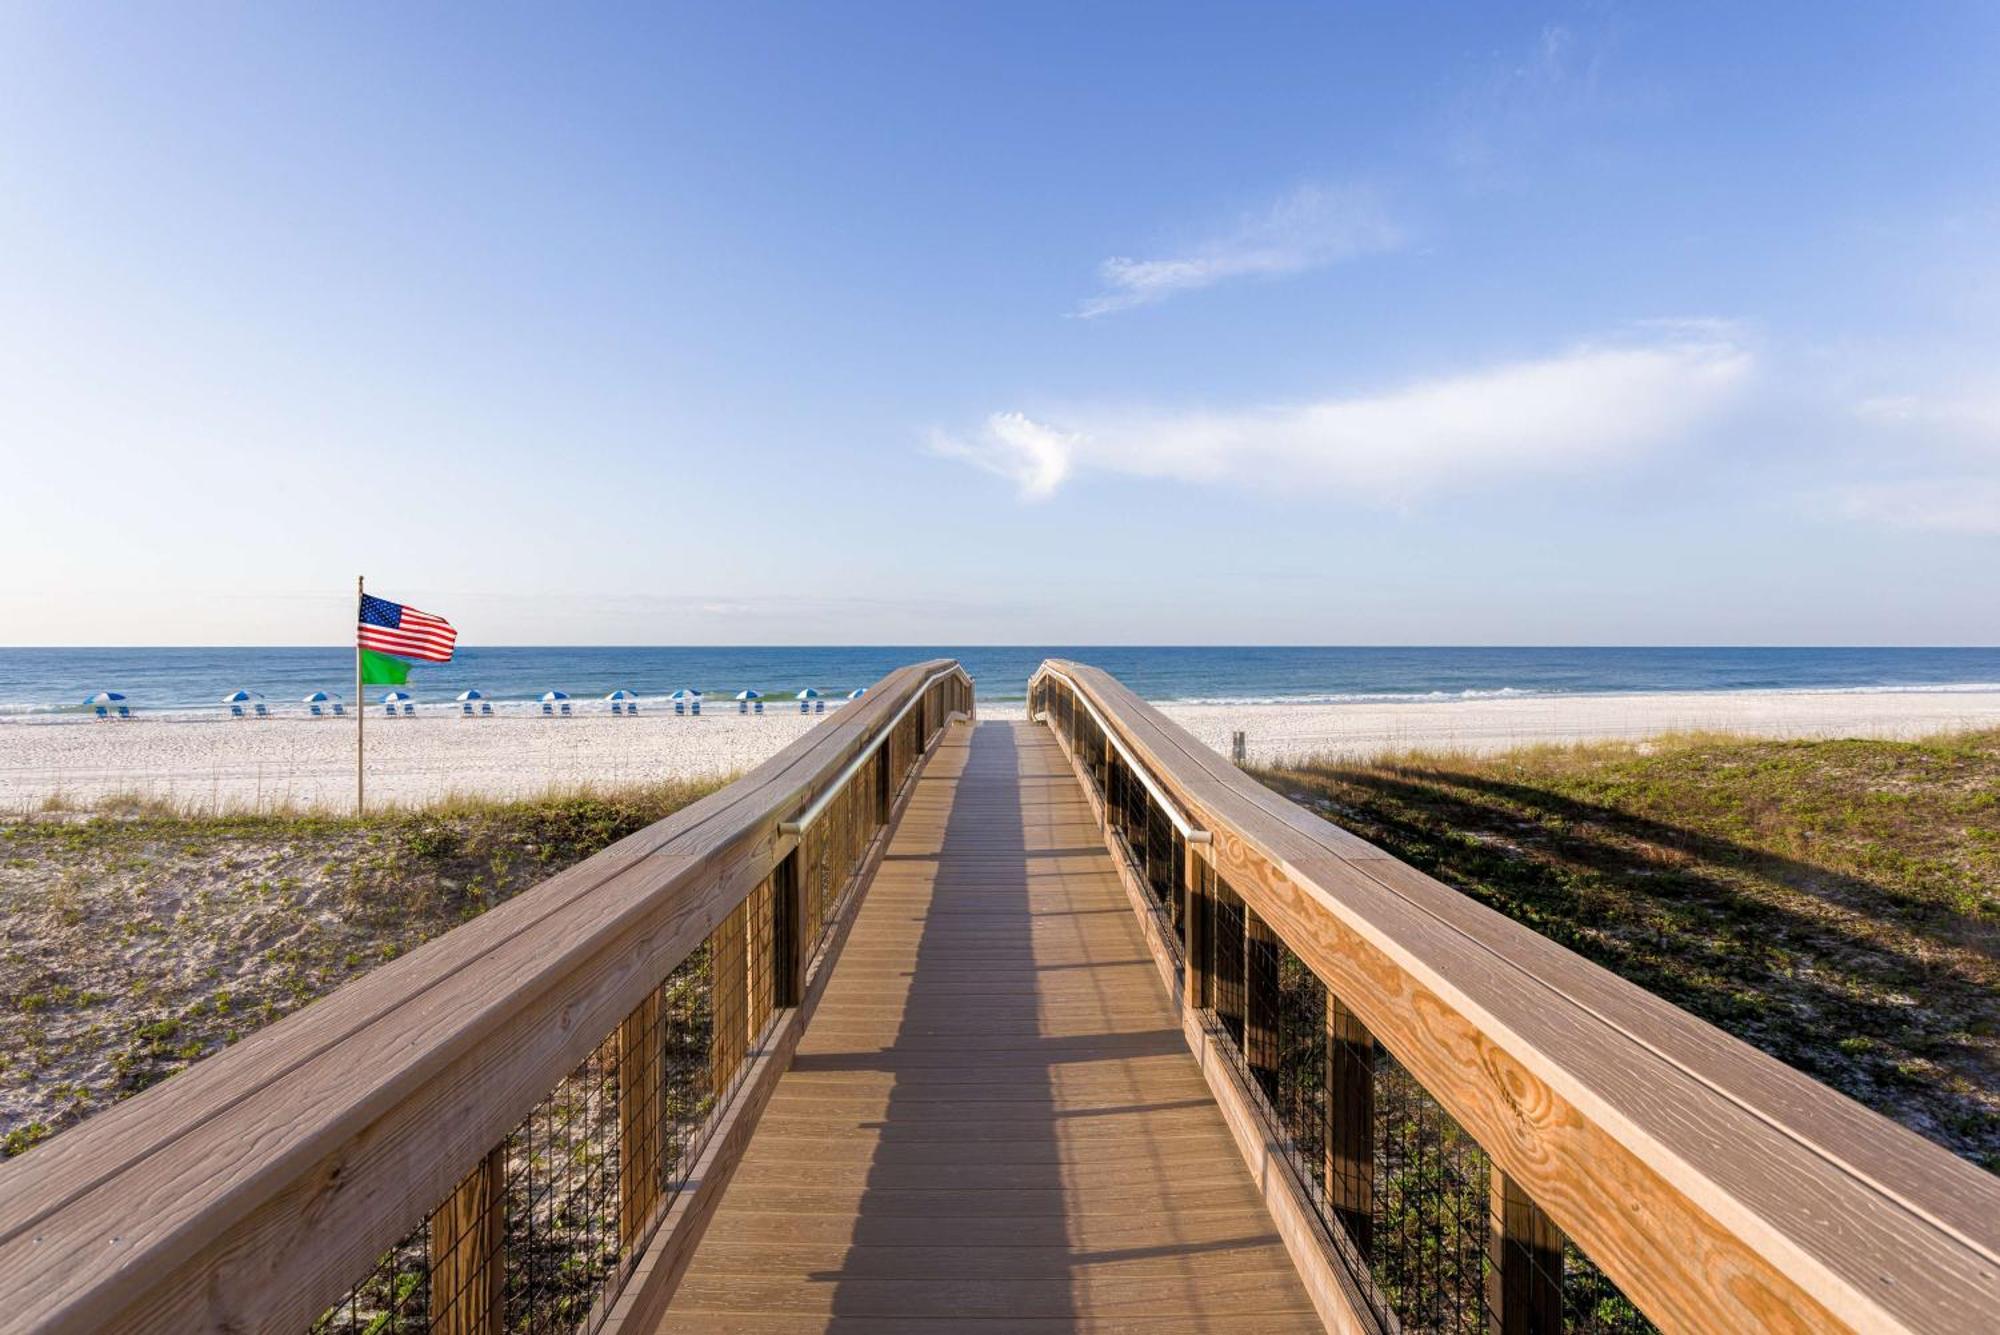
(522, 1125)
(1459, 1125)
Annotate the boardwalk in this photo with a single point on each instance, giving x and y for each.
(993, 1114)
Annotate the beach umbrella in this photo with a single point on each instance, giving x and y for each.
(240, 697)
(807, 694)
(857, 693)
(106, 698)
(550, 697)
(397, 697)
(685, 694)
(749, 695)
(621, 694)
(317, 698)
(474, 694)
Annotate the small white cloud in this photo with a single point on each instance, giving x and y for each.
(1586, 407)
(1308, 229)
(1035, 457)
(1945, 505)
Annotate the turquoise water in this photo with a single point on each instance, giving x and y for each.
(51, 683)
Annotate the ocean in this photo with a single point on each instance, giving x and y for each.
(51, 684)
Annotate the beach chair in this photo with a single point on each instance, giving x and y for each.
(339, 710)
(313, 709)
(680, 707)
(617, 709)
(548, 709)
(565, 709)
(465, 706)
(236, 711)
(632, 709)
(102, 712)
(819, 706)
(694, 706)
(125, 712)
(263, 711)
(805, 706)
(486, 709)
(756, 706)
(389, 708)
(409, 709)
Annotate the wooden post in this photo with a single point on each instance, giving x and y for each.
(641, 1114)
(729, 1001)
(787, 946)
(1260, 1001)
(1524, 1282)
(467, 1269)
(1195, 921)
(1237, 750)
(1350, 1109)
(757, 962)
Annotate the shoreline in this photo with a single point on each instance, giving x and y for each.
(288, 761)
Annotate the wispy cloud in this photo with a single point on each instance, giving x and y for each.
(1510, 115)
(1591, 405)
(1310, 228)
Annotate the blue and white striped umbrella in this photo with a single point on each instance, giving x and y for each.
(685, 694)
(749, 695)
(318, 698)
(621, 694)
(397, 697)
(240, 697)
(857, 693)
(807, 694)
(474, 694)
(106, 698)
(550, 697)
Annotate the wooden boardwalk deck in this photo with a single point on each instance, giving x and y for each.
(993, 1115)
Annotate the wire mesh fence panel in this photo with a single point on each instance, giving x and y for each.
(392, 1299)
(1225, 967)
(1429, 1255)
(532, 1239)
(1299, 1090)
(562, 1201)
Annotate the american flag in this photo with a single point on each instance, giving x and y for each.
(391, 628)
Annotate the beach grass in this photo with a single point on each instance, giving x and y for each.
(138, 936)
(1834, 903)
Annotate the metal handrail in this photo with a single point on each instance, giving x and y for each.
(1191, 832)
(801, 822)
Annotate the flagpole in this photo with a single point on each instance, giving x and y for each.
(360, 705)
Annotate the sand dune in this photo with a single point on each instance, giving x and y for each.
(226, 764)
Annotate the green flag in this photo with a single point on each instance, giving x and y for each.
(382, 670)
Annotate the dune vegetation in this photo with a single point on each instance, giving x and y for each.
(1835, 903)
(135, 939)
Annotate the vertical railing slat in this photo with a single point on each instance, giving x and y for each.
(1524, 1280)
(1350, 1132)
(640, 1095)
(466, 1264)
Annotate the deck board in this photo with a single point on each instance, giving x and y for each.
(993, 1115)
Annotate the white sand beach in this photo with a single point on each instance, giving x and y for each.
(1278, 733)
(288, 761)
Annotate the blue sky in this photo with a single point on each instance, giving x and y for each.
(986, 324)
